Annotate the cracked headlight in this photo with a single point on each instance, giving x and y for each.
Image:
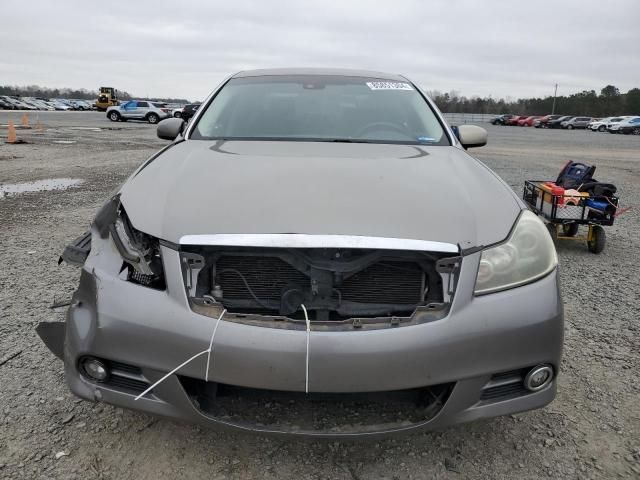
(140, 252)
(527, 255)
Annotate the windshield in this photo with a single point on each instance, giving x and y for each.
(320, 108)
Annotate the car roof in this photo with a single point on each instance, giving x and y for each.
(342, 72)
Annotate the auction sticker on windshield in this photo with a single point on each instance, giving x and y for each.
(389, 86)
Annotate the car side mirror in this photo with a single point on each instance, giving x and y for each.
(170, 128)
(471, 136)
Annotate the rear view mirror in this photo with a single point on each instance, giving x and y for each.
(471, 136)
(170, 128)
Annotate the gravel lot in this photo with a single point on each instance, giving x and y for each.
(592, 429)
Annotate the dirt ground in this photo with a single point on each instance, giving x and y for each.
(591, 430)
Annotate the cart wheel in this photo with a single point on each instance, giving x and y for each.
(553, 231)
(598, 239)
(570, 229)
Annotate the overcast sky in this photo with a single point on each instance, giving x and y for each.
(184, 48)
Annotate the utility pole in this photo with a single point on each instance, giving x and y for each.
(555, 93)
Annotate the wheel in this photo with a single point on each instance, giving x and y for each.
(152, 118)
(570, 229)
(176, 115)
(636, 131)
(569, 127)
(598, 239)
(602, 128)
(553, 231)
(114, 116)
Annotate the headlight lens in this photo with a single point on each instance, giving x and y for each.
(527, 255)
(139, 251)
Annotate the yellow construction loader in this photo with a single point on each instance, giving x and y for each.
(107, 97)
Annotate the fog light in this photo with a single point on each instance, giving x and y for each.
(538, 378)
(95, 369)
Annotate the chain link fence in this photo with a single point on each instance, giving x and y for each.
(463, 118)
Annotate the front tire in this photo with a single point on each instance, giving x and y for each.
(569, 127)
(114, 116)
(176, 115)
(152, 118)
(636, 131)
(602, 128)
(598, 239)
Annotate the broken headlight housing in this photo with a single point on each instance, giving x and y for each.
(527, 255)
(140, 252)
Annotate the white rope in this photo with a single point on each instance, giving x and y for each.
(215, 329)
(169, 374)
(207, 351)
(306, 376)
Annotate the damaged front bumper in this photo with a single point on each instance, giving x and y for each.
(468, 365)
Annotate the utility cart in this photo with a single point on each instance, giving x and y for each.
(565, 213)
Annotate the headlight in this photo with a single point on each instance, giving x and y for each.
(527, 255)
(140, 252)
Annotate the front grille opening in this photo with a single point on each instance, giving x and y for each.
(333, 284)
(336, 413)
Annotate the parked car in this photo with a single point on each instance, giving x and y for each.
(248, 259)
(627, 126)
(604, 124)
(557, 123)
(576, 122)
(513, 121)
(189, 110)
(61, 106)
(543, 121)
(527, 121)
(6, 104)
(177, 112)
(152, 112)
(599, 124)
(501, 119)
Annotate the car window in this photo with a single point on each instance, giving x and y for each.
(158, 105)
(143, 104)
(320, 108)
(129, 105)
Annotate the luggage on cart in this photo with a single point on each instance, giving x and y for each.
(574, 199)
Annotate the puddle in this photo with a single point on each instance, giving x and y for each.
(64, 142)
(9, 189)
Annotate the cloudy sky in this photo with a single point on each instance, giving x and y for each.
(184, 48)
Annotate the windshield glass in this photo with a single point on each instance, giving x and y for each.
(320, 108)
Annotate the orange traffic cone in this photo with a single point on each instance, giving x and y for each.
(11, 133)
(25, 120)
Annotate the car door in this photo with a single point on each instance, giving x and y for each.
(128, 109)
(142, 109)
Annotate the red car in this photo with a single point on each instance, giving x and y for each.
(514, 120)
(527, 121)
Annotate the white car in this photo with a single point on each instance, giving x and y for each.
(614, 125)
(152, 112)
(630, 124)
(600, 124)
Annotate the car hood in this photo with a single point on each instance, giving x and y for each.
(396, 191)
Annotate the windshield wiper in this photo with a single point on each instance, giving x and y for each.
(347, 140)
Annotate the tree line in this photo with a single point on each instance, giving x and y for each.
(76, 94)
(610, 101)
